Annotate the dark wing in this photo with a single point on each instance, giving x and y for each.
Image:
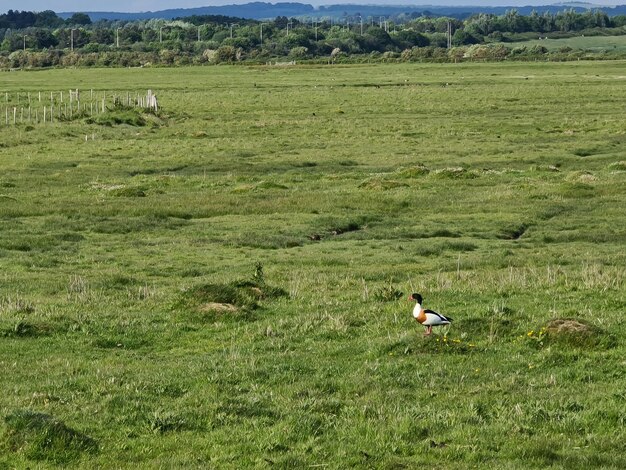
(438, 314)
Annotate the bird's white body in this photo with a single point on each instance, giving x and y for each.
(428, 317)
(416, 310)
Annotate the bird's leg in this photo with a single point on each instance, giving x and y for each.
(429, 330)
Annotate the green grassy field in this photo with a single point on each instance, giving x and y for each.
(220, 287)
(587, 43)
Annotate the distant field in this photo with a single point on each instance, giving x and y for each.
(588, 43)
(224, 285)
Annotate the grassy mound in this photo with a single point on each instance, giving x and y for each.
(455, 173)
(116, 117)
(23, 329)
(381, 184)
(39, 436)
(237, 299)
(126, 115)
(573, 332)
(412, 172)
(578, 333)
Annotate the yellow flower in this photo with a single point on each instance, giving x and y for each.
(530, 333)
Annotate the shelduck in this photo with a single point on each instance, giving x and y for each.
(428, 318)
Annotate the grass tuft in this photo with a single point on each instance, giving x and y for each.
(387, 293)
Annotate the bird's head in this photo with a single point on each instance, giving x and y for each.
(416, 297)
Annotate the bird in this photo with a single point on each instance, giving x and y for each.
(428, 318)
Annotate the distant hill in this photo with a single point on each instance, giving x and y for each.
(263, 10)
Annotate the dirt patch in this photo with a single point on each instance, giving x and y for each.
(568, 326)
(217, 307)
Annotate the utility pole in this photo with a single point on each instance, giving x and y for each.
(449, 34)
(262, 32)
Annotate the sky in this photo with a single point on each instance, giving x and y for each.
(155, 5)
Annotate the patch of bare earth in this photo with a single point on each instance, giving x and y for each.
(217, 307)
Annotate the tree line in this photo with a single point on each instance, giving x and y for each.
(43, 39)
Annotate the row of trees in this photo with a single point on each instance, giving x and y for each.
(204, 36)
(14, 19)
(230, 54)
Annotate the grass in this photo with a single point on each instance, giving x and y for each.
(225, 286)
(582, 42)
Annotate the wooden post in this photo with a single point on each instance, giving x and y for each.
(14, 114)
(40, 97)
(44, 114)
